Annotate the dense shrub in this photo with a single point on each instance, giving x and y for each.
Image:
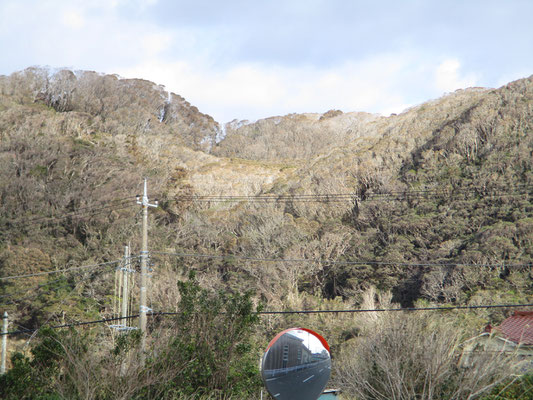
(208, 351)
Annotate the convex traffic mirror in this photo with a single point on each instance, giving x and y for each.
(296, 365)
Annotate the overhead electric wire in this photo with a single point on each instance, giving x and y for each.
(447, 308)
(35, 294)
(123, 203)
(71, 325)
(351, 311)
(354, 311)
(36, 290)
(38, 287)
(4, 278)
(333, 262)
(23, 327)
(116, 204)
(75, 214)
(67, 213)
(339, 197)
(65, 297)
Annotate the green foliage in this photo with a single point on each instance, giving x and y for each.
(77, 144)
(210, 351)
(519, 388)
(212, 343)
(34, 377)
(126, 343)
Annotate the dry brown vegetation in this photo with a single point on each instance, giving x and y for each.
(80, 143)
(416, 356)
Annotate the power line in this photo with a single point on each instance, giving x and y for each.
(95, 211)
(116, 204)
(333, 262)
(351, 311)
(59, 270)
(123, 203)
(399, 309)
(66, 214)
(31, 296)
(63, 300)
(354, 311)
(36, 290)
(99, 321)
(342, 197)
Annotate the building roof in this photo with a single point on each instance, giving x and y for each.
(518, 327)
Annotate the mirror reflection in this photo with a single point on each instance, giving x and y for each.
(296, 365)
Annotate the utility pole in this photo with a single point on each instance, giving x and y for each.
(4, 344)
(125, 273)
(143, 309)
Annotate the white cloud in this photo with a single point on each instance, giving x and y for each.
(448, 77)
(73, 19)
(244, 86)
(98, 35)
(509, 77)
(253, 91)
(90, 35)
(154, 43)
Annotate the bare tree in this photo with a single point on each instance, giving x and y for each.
(415, 356)
(89, 372)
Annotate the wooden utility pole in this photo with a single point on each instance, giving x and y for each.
(143, 308)
(4, 344)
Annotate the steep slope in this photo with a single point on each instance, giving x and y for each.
(294, 136)
(117, 106)
(447, 182)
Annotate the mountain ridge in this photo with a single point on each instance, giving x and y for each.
(72, 143)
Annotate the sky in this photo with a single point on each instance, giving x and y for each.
(252, 59)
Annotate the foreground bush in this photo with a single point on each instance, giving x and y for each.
(406, 356)
(203, 352)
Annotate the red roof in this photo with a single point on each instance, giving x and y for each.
(519, 327)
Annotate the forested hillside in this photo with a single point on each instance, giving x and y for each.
(431, 206)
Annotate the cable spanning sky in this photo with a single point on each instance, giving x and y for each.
(251, 59)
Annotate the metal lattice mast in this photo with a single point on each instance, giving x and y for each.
(125, 273)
